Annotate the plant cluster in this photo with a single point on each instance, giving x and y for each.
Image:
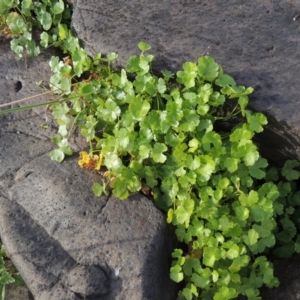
(228, 206)
(21, 17)
(159, 132)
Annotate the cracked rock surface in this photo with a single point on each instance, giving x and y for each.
(66, 243)
(256, 42)
(57, 233)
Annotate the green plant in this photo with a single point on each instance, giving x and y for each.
(159, 132)
(8, 275)
(22, 16)
(217, 189)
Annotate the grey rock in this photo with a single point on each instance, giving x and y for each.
(257, 42)
(88, 281)
(66, 243)
(288, 272)
(13, 292)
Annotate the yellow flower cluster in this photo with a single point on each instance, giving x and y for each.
(90, 163)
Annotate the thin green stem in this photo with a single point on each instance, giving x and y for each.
(7, 111)
(24, 99)
(72, 126)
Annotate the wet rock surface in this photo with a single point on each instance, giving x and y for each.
(65, 242)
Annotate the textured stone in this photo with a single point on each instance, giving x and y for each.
(52, 225)
(257, 42)
(88, 281)
(288, 272)
(66, 243)
(13, 292)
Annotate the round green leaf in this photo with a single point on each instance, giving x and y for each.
(176, 274)
(144, 46)
(45, 19)
(57, 155)
(97, 189)
(58, 7)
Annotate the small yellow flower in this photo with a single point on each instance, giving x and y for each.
(99, 162)
(90, 163)
(84, 159)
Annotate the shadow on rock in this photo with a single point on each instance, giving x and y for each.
(157, 269)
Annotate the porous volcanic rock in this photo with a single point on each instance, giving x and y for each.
(257, 42)
(66, 243)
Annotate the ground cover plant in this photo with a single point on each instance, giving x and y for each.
(8, 274)
(159, 133)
